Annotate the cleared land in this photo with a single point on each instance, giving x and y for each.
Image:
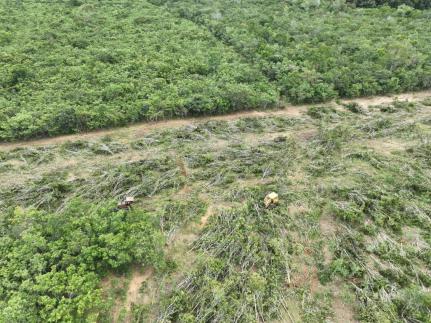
(349, 241)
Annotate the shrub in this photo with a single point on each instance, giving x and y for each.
(62, 257)
(354, 107)
(419, 4)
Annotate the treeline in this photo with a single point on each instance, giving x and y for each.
(418, 4)
(71, 68)
(68, 69)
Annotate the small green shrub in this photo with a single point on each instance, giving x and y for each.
(320, 112)
(354, 107)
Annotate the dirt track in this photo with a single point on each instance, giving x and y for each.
(139, 129)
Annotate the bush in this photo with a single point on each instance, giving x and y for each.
(418, 4)
(354, 107)
(52, 262)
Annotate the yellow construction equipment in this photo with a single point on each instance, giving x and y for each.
(271, 199)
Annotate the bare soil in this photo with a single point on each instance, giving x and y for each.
(343, 313)
(133, 295)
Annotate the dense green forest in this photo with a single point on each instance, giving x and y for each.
(313, 54)
(52, 263)
(79, 65)
(419, 4)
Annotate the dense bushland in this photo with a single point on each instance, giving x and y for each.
(315, 52)
(73, 68)
(419, 4)
(52, 263)
(80, 65)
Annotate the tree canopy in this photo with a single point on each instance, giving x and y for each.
(79, 65)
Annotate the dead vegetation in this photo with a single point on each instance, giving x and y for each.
(349, 240)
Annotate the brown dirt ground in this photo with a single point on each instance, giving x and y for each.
(133, 295)
(343, 313)
(206, 216)
(386, 146)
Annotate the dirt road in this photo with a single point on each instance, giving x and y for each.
(139, 129)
